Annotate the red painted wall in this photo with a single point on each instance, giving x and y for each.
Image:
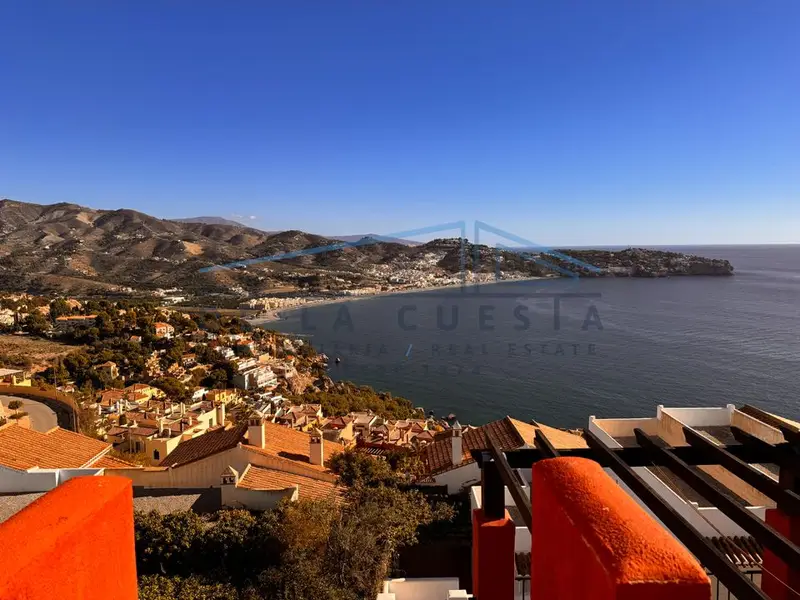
(74, 543)
(493, 564)
(776, 577)
(592, 540)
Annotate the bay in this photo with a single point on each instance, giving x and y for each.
(618, 347)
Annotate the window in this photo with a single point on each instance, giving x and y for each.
(156, 455)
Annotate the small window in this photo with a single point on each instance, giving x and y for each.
(156, 455)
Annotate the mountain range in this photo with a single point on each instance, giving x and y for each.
(343, 238)
(68, 248)
(74, 249)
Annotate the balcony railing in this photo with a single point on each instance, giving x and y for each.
(779, 535)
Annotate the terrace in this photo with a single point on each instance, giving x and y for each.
(596, 527)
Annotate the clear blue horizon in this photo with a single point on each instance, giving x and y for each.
(573, 123)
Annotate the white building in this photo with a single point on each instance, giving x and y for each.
(255, 464)
(254, 378)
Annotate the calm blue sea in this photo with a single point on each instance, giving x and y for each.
(622, 346)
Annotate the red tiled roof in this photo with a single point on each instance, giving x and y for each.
(110, 397)
(337, 423)
(110, 462)
(22, 448)
(510, 433)
(263, 478)
(76, 318)
(290, 444)
(137, 387)
(213, 441)
(437, 456)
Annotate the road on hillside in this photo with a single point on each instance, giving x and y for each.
(42, 418)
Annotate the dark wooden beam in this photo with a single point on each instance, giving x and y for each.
(493, 498)
(766, 535)
(544, 445)
(523, 458)
(521, 499)
(788, 501)
(784, 455)
(730, 576)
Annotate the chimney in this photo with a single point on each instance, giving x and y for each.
(256, 435)
(221, 414)
(316, 454)
(161, 426)
(455, 443)
(230, 476)
(183, 409)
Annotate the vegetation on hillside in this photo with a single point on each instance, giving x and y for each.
(344, 397)
(319, 549)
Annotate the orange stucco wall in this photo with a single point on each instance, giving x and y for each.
(73, 543)
(592, 540)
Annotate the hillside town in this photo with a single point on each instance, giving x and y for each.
(237, 433)
(155, 385)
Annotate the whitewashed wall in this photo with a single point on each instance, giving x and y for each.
(234, 497)
(422, 588)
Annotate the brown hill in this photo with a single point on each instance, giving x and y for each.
(66, 247)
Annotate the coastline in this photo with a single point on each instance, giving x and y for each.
(279, 314)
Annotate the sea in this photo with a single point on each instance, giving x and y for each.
(559, 350)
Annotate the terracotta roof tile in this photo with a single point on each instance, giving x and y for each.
(211, 442)
(290, 444)
(262, 478)
(437, 456)
(110, 462)
(22, 448)
(561, 440)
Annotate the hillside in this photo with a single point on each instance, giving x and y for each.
(210, 221)
(70, 248)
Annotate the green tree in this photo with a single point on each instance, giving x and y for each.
(218, 378)
(59, 308)
(168, 543)
(173, 388)
(356, 467)
(36, 323)
(195, 587)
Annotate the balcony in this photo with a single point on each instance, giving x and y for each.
(588, 536)
(600, 528)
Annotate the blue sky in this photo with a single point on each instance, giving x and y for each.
(565, 121)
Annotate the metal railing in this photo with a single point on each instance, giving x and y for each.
(522, 589)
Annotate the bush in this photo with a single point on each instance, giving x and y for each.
(305, 549)
(159, 587)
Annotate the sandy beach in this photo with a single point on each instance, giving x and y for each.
(279, 314)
